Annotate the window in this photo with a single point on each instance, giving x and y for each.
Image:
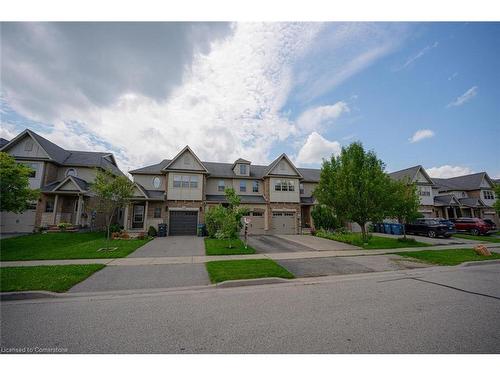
(301, 188)
(220, 185)
(34, 169)
(156, 182)
(277, 185)
(157, 213)
(243, 186)
(28, 145)
(177, 182)
(257, 213)
(185, 181)
(193, 184)
(276, 214)
(291, 186)
(488, 194)
(424, 192)
(31, 206)
(255, 186)
(243, 169)
(284, 185)
(49, 205)
(71, 172)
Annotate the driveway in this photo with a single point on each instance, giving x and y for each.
(144, 277)
(316, 243)
(172, 246)
(314, 267)
(275, 244)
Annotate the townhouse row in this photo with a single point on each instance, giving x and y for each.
(179, 191)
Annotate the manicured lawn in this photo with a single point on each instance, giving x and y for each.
(450, 257)
(214, 246)
(375, 242)
(245, 269)
(51, 278)
(64, 246)
(477, 238)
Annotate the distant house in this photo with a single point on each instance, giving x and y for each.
(3, 142)
(63, 176)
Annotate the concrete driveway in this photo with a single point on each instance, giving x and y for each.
(172, 246)
(316, 243)
(275, 244)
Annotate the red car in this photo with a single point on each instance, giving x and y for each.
(473, 225)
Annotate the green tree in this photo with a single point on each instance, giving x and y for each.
(112, 193)
(15, 194)
(404, 202)
(355, 186)
(324, 218)
(497, 196)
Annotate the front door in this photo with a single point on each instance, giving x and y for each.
(138, 216)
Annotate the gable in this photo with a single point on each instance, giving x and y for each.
(284, 167)
(26, 147)
(422, 177)
(68, 186)
(138, 193)
(486, 184)
(186, 160)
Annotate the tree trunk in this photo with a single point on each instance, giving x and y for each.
(363, 232)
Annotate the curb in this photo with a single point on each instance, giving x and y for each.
(481, 262)
(251, 282)
(16, 296)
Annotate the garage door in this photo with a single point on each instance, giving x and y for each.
(283, 222)
(18, 223)
(183, 223)
(256, 225)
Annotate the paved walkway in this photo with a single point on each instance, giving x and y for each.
(129, 261)
(171, 246)
(317, 243)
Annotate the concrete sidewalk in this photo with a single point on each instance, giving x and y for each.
(203, 258)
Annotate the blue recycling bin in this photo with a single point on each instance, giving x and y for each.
(387, 228)
(396, 229)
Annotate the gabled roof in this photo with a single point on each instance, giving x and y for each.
(446, 200)
(275, 163)
(149, 194)
(410, 174)
(241, 161)
(472, 202)
(3, 142)
(188, 149)
(81, 185)
(467, 182)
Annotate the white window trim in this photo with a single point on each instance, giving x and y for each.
(156, 178)
(71, 169)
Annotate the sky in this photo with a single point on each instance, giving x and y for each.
(415, 93)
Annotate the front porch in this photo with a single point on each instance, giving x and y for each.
(67, 208)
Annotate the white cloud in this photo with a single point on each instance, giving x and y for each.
(453, 76)
(464, 98)
(317, 148)
(448, 171)
(420, 54)
(420, 135)
(315, 118)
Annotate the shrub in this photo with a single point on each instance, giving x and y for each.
(214, 219)
(324, 218)
(152, 232)
(64, 226)
(114, 228)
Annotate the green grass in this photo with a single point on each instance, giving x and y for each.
(51, 278)
(221, 247)
(64, 246)
(245, 269)
(478, 238)
(450, 257)
(375, 242)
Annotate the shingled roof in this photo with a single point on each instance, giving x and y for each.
(3, 142)
(467, 182)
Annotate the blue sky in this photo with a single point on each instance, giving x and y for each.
(416, 93)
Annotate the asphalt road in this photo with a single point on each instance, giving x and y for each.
(419, 311)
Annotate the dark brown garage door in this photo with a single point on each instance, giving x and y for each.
(183, 223)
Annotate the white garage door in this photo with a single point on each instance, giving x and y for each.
(283, 222)
(256, 225)
(17, 223)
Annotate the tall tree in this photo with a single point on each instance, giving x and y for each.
(15, 192)
(497, 196)
(355, 186)
(404, 202)
(112, 193)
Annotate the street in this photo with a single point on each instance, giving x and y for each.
(435, 310)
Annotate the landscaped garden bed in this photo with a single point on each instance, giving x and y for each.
(245, 269)
(374, 242)
(450, 257)
(49, 278)
(215, 246)
(65, 245)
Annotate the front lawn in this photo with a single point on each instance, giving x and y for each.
(450, 257)
(245, 269)
(375, 242)
(64, 246)
(221, 247)
(51, 278)
(477, 238)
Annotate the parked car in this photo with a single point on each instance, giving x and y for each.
(473, 225)
(430, 227)
(492, 224)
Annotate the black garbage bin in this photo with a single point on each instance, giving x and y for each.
(162, 230)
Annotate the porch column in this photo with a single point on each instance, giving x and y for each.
(56, 202)
(145, 215)
(125, 217)
(446, 212)
(266, 219)
(455, 212)
(79, 210)
(471, 212)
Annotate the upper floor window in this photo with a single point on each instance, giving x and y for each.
(284, 185)
(243, 169)
(177, 181)
(28, 145)
(156, 182)
(220, 185)
(488, 194)
(157, 213)
(71, 172)
(193, 184)
(424, 192)
(34, 169)
(255, 186)
(243, 186)
(185, 182)
(301, 188)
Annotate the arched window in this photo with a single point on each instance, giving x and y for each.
(71, 172)
(156, 182)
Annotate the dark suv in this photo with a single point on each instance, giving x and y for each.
(431, 227)
(473, 225)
